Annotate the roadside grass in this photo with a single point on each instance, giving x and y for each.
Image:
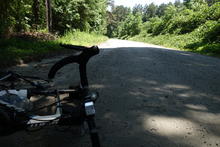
(82, 38)
(187, 42)
(15, 50)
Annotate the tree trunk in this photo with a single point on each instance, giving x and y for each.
(48, 15)
(36, 13)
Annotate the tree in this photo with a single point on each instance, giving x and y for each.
(110, 24)
(131, 26)
(5, 17)
(137, 9)
(36, 13)
(211, 2)
(111, 3)
(150, 11)
(187, 3)
(118, 15)
(178, 4)
(84, 15)
(48, 15)
(144, 16)
(161, 10)
(15, 16)
(191, 3)
(24, 15)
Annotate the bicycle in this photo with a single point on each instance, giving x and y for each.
(16, 112)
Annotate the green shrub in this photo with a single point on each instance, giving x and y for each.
(131, 26)
(81, 38)
(214, 12)
(210, 49)
(213, 35)
(205, 28)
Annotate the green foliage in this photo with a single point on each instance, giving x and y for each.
(161, 10)
(213, 35)
(194, 26)
(187, 42)
(210, 49)
(21, 10)
(13, 50)
(130, 27)
(24, 15)
(185, 21)
(17, 16)
(214, 12)
(150, 11)
(137, 9)
(81, 14)
(120, 13)
(13, 15)
(175, 41)
(154, 26)
(115, 18)
(81, 38)
(209, 31)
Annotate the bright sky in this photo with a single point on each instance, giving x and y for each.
(131, 3)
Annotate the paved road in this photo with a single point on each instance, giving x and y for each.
(150, 97)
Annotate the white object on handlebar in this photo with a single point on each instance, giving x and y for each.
(16, 99)
(21, 93)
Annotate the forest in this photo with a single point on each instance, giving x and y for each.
(192, 25)
(54, 15)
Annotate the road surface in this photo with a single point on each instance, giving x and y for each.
(150, 96)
